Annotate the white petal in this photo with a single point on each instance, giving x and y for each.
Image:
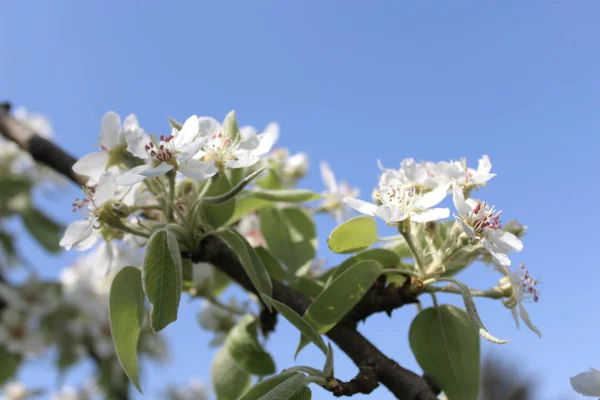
(587, 383)
(458, 198)
(137, 141)
(75, 233)
(361, 205)
(159, 170)
(506, 240)
(466, 228)
(390, 214)
(189, 150)
(328, 177)
(497, 254)
(481, 179)
(89, 242)
(198, 170)
(132, 176)
(525, 317)
(208, 126)
(267, 139)
(91, 165)
(513, 312)
(432, 198)
(107, 185)
(430, 215)
(244, 159)
(484, 165)
(111, 130)
(189, 131)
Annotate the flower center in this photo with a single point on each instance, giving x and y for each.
(165, 150)
(485, 218)
(402, 196)
(219, 148)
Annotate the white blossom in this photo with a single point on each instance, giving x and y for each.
(14, 391)
(249, 227)
(335, 194)
(481, 222)
(112, 137)
(587, 383)
(523, 289)
(17, 333)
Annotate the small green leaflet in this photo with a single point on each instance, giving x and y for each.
(354, 235)
(242, 343)
(228, 379)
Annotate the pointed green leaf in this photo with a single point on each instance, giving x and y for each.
(286, 195)
(216, 215)
(472, 311)
(9, 365)
(126, 307)
(287, 389)
(343, 293)
(387, 259)
(242, 343)
(46, 231)
(285, 238)
(307, 286)
(175, 124)
(251, 262)
(230, 194)
(229, 380)
(230, 126)
(447, 347)
(246, 205)
(303, 394)
(265, 386)
(301, 324)
(354, 235)
(271, 181)
(275, 269)
(162, 278)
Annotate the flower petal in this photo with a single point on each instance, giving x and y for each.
(458, 197)
(244, 159)
(506, 240)
(587, 383)
(91, 165)
(361, 206)
(75, 233)
(132, 176)
(525, 317)
(111, 130)
(159, 170)
(432, 214)
(198, 170)
(484, 166)
(267, 139)
(208, 126)
(137, 141)
(107, 185)
(189, 150)
(497, 254)
(466, 228)
(328, 177)
(390, 214)
(432, 198)
(188, 133)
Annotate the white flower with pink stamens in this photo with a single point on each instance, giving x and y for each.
(481, 222)
(524, 289)
(112, 137)
(173, 152)
(335, 194)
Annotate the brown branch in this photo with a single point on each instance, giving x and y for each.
(404, 384)
(365, 382)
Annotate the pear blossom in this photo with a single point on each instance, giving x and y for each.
(32, 297)
(112, 138)
(249, 227)
(404, 201)
(171, 152)
(481, 222)
(523, 288)
(223, 148)
(82, 235)
(587, 383)
(290, 167)
(335, 194)
(17, 333)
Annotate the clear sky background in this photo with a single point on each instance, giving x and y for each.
(351, 82)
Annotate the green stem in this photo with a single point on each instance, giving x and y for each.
(493, 293)
(413, 249)
(171, 197)
(434, 298)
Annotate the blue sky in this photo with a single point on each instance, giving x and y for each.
(351, 82)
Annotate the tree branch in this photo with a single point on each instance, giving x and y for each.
(365, 382)
(404, 384)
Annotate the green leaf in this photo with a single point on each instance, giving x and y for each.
(286, 195)
(9, 365)
(287, 389)
(343, 293)
(265, 386)
(387, 259)
(126, 307)
(251, 262)
(229, 380)
(301, 324)
(230, 126)
(246, 205)
(242, 343)
(472, 311)
(307, 286)
(272, 181)
(175, 124)
(222, 198)
(303, 394)
(354, 235)
(216, 215)
(447, 347)
(45, 230)
(162, 278)
(285, 238)
(271, 263)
